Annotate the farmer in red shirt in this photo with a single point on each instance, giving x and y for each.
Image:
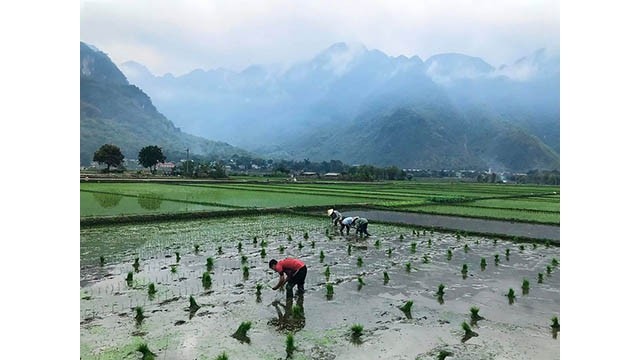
(296, 272)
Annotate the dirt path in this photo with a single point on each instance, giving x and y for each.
(532, 231)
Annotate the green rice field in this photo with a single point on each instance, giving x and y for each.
(526, 203)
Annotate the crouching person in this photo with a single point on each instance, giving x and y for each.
(346, 223)
(295, 271)
(335, 215)
(361, 224)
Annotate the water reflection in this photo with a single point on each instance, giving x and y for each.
(107, 200)
(149, 201)
(290, 317)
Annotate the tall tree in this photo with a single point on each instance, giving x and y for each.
(108, 154)
(150, 156)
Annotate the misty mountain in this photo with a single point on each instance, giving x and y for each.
(113, 111)
(348, 101)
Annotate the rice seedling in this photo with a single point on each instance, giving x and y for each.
(139, 315)
(349, 250)
(549, 269)
(151, 290)
(245, 272)
(255, 240)
(313, 244)
(326, 232)
(329, 287)
(534, 246)
(401, 237)
(290, 346)
(306, 235)
(377, 244)
(386, 277)
(146, 353)
(193, 305)
(263, 243)
(220, 250)
(413, 247)
(413, 231)
(243, 259)
(425, 259)
(196, 248)
(174, 268)
(555, 324)
(177, 257)
(554, 262)
(466, 248)
(407, 267)
(457, 235)
(300, 246)
(129, 278)
(321, 255)
(468, 333)
(521, 247)
(464, 270)
(540, 278)
(359, 261)
(511, 295)
(356, 330)
(360, 282)
(483, 264)
(440, 290)
(443, 354)
(547, 244)
(525, 287)
(327, 272)
(506, 254)
(289, 238)
(136, 264)
(406, 308)
(259, 290)
(475, 316)
(496, 259)
(222, 356)
(495, 242)
(209, 264)
(101, 260)
(239, 246)
(389, 252)
(449, 254)
(429, 243)
(206, 280)
(263, 253)
(281, 249)
(241, 332)
(297, 311)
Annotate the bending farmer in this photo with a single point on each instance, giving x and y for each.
(346, 222)
(361, 224)
(295, 270)
(336, 217)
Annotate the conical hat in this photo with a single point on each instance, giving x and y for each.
(329, 212)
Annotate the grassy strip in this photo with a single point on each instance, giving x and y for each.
(188, 216)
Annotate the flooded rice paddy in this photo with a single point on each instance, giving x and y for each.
(416, 261)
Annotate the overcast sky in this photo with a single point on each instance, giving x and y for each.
(179, 36)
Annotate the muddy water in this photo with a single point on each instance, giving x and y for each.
(321, 327)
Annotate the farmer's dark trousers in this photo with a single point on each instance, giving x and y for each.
(298, 279)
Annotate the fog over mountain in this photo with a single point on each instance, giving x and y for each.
(112, 111)
(360, 105)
